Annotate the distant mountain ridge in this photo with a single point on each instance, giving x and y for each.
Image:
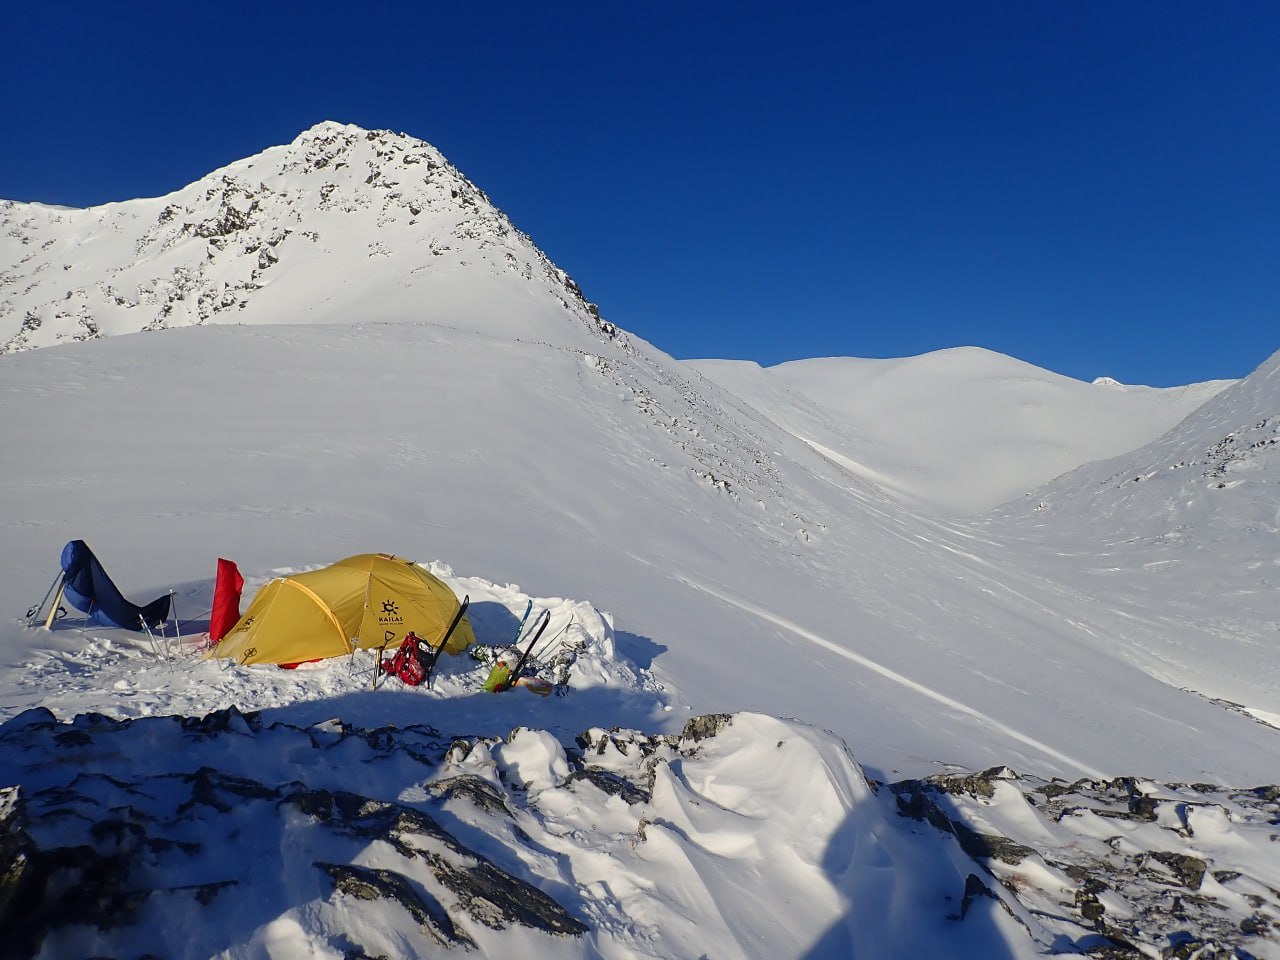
(345, 226)
(955, 431)
(341, 225)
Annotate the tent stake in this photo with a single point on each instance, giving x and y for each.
(177, 624)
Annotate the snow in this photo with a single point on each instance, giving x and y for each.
(709, 538)
(956, 431)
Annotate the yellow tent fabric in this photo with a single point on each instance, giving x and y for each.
(360, 602)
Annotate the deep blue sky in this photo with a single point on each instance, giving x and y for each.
(1093, 187)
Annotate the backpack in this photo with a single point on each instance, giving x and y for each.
(407, 663)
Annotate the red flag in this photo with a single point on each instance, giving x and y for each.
(226, 600)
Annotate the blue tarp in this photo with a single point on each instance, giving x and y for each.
(88, 588)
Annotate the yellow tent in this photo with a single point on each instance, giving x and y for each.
(361, 602)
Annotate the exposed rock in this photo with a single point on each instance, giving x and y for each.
(697, 729)
(612, 784)
(497, 899)
(917, 799)
(15, 850)
(1140, 880)
(229, 720)
(991, 846)
(106, 856)
(974, 785)
(597, 741)
(221, 791)
(622, 762)
(487, 893)
(1087, 902)
(973, 888)
(1189, 870)
(481, 793)
(367, 883)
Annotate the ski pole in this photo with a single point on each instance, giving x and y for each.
(34, 613)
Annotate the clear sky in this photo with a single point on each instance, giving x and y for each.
(1093, 187)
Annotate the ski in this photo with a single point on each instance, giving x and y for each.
(528, 608)
(543, 620)
(435, 654)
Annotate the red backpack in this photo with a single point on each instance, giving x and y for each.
(407, 663)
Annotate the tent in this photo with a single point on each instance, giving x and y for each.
(369, 600)
(86, 586)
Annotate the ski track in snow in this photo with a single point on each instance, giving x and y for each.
(893, 675)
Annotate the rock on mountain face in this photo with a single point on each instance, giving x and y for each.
(341, 225)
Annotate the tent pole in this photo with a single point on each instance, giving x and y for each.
(53, 611)
(155, 650)
(177, 624)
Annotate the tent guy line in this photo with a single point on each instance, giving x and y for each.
(896, 677)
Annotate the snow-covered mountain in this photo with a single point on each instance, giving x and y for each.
(956, 431)
(341, 225)
(346, 225)
(702, 560)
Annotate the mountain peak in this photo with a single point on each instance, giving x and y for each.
(341, 225)
(329, 128)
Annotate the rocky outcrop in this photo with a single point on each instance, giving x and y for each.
(15, 855)
(88, 850)
(372, 839)
(1128, 867)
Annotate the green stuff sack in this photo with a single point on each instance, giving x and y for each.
(499, 678)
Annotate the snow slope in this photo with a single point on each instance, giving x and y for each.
(703, 558)
(1180, 527)
(756, 573)
(956, 431)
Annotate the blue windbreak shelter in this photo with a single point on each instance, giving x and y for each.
(87, 587)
